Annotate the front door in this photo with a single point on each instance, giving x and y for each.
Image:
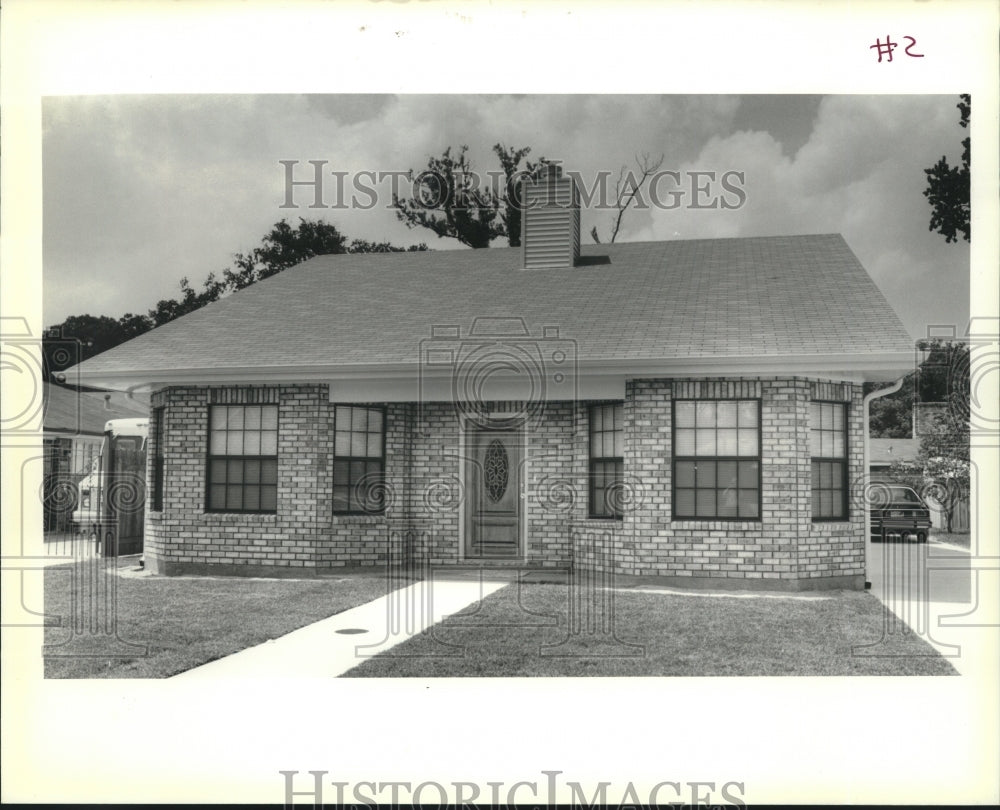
(493, 485)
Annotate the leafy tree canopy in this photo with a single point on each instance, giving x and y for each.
(942, 376)
(283, 247)
(454, 202)
(948, 187)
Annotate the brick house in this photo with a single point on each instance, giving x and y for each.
(686, 410)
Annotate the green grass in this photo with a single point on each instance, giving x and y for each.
(185, 622)
(680, 635)
(963, 539)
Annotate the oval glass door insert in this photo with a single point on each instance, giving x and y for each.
(496, 470)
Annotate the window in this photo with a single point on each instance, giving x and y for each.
(607, 468)
(716, 459)
(828, 448)
(243, 458)
(358, 460)
(158, 434)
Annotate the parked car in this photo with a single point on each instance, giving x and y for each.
(899, 513)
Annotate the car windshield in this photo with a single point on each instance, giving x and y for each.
(903, 495)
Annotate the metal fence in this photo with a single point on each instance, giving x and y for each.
(81, 541)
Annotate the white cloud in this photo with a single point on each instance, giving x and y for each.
(142, 190)
(860, 174)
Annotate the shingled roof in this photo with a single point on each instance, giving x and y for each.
(759, 297)
(71, 412)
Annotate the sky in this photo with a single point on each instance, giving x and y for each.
(142, 190)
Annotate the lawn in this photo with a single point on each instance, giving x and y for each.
(187, 621)
(520, 630)
(679, 635)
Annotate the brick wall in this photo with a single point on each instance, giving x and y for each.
(781, 549)
(837, 549)
(186, 537)
(425, 498)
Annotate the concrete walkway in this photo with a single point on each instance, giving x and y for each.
(331, 647)
(942, 593)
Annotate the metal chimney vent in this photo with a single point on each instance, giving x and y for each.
(550, 220)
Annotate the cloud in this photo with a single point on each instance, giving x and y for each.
(142, 190)
(859, 174)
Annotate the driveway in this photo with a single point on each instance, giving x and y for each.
(934, 590)
(923, 571)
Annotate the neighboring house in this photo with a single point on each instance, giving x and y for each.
(690, 410)
(883, 453)
(73, 433)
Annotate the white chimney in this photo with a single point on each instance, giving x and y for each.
(550, 220)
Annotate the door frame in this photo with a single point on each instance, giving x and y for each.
(466, 425)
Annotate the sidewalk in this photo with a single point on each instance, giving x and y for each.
(332, 646)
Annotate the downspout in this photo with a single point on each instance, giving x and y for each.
(866, 420)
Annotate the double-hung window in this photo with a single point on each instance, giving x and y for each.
(828, 448)
(359, 460)
(716, 459)
(607, 468)
(243, 458)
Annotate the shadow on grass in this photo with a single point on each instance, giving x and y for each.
(169, 625)
(676, 635)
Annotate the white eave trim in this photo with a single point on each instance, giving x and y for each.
(877, 367)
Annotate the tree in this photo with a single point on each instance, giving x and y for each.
(891, 417)
(627, 188)
(510, 161)
(941, 469)
(134, 325)
(948, 187)
(364, 246)
(280, 249)
(285, 247)
(449, 202)
(78, 338)
(942, 376)
(170, 308)
(455, 203)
